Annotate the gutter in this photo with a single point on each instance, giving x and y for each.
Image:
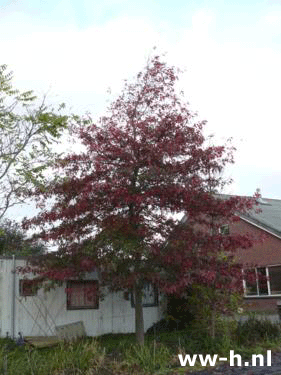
(13, 297)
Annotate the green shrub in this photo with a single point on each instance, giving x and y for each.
(254, 330)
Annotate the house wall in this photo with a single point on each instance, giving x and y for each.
(38, 315)
(262, 304)
(263, 253)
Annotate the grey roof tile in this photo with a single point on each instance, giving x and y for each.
(270, 216)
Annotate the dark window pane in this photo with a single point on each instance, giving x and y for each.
(251, 282)
(149, 297)
(82, 295)
(275, 279)
(224, 229)
(28, 287)
(262, 281)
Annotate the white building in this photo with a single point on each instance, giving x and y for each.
(37, 312)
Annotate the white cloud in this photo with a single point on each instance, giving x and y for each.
(78, 61)
(234, 86)
(202, 21)
(272, 19)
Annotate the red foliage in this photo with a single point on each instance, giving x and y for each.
(116, 204)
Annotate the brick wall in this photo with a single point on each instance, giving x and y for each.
(260, 304)
(264, 253)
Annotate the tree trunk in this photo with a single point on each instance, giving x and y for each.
(213, 323)
(139, 314)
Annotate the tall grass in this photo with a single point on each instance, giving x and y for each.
(72, 359)
(151, 357)
(119, 355)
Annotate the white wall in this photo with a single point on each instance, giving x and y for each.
(38, 315)
(6, 280)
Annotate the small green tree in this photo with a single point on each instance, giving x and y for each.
(28, 132)
(208, 304)
(13, 241)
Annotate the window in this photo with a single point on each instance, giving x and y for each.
(82, 294)
(250, 282)
(256, 283)
(28, 287)
(263, 281)
(275, 279)
(263, 284)
(224, 229)
(149, 297)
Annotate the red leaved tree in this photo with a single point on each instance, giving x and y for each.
(115, 205)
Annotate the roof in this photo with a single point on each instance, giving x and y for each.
(269, 218)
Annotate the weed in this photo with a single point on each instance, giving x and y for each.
(119, 355)
(150, 357)
(255, 330)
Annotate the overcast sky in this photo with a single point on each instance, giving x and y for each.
(230, 50)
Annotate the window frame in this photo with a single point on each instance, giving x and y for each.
(69, 285)
(269, 287)
(224, 229)
(28, 290)
(155, 302)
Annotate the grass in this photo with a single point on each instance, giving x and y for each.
(118, 354)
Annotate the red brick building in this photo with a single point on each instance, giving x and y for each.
(264, 258)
